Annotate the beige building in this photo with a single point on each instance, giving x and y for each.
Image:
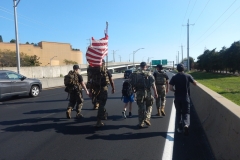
(50, 53)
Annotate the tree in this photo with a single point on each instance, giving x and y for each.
(34, 60)
(191, 62)
(1, 40)
(27, 42)
(13, 41)
(8, 59)
(67, 62)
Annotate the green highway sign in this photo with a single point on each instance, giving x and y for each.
(156, 62)
(164, 62)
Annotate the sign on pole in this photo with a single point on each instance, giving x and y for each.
(156, 62)
(164, 62)
(185, 63)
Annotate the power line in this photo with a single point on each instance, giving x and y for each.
(202, 10)
(192, 8)
(183, 20)
(6, 18)
(26, 18)
(215, 21)
(186, 10)
(220, 24)
(201, 13)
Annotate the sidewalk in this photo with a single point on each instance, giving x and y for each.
(58, 82)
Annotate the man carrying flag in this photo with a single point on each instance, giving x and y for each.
(98, 75)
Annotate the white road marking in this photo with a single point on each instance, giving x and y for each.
(169, 143)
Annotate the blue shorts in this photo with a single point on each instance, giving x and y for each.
(128, 99)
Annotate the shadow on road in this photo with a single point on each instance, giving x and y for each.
(194, 145)
(128, 136)
(45, 111)
(76, 127)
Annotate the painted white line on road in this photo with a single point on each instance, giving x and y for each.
(169, 143)
(48, 115)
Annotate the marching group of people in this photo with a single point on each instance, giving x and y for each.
(136, 88)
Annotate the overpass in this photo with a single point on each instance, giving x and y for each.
(60, 71)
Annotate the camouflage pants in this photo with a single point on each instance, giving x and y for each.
(94, 98)
(100, 96)
(144, 98)
(76, 99)
(161, 100)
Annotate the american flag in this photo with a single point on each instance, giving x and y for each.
(97, 51)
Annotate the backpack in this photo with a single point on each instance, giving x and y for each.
(71, 82)
(127, 89)
(160, 78)
(141, 80)
(98, 76)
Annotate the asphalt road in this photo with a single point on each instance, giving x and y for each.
(37, 128)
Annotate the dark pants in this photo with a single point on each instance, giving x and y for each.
(182, 106)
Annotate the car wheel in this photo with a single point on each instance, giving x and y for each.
(34, 92)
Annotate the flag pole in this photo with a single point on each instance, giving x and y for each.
(106, 32)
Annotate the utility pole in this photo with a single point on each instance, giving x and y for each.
(15, 3)
(182, 52)
(113, 56)
(88, 44)
(188, 62)
(178, 57)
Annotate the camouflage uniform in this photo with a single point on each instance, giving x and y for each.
(161, 100)
(160, 81)
(94, 99)
(99, 89)
(143, 96)
(76, 96)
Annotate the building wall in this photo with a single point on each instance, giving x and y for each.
(46, 51)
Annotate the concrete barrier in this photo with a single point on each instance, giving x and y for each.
(58, 71)
(58, 82)
(220, 119)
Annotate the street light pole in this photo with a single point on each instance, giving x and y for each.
(15, 3)
(134, 54)
(149, 59)
(129, 56)
(51, 60)
(114, 51)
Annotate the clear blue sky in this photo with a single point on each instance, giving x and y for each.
(155, 25)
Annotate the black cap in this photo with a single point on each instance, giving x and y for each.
(76, 66)
(180, 67)
(159, 66)
(143, 64)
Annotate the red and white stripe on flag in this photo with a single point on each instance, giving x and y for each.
(97, 51)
